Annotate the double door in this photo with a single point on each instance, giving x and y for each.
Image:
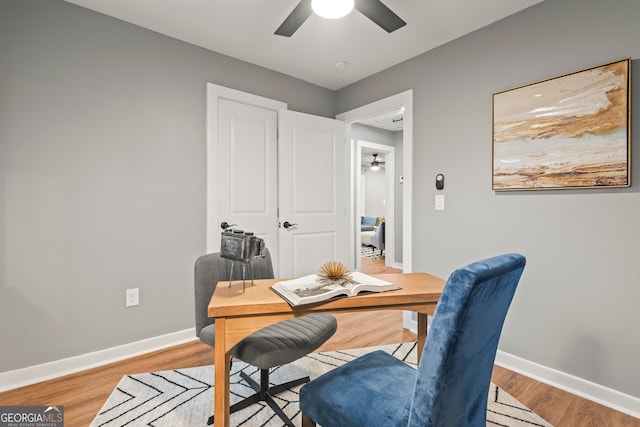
(283, 176)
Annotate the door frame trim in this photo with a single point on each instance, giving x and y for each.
(215, 93)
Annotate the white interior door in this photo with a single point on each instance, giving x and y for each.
(247, 169)
(259, 176)
(312, 191)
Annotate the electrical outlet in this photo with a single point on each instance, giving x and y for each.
(132, 297)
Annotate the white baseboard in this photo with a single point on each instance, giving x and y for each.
(580, 387)
(595, 392)
(46, 371)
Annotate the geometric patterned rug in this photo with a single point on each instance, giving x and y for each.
(371, 252)
(184, 397)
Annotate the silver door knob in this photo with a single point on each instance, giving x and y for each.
(287, 224)
(226, 225)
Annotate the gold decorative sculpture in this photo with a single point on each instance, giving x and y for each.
(334, 272)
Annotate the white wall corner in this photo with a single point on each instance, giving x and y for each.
(409, 321)
(589, 390)
(46, 371)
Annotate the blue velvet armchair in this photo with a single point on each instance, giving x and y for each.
(450, 386)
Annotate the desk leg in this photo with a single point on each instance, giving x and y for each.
(221, 377)
(422, 333)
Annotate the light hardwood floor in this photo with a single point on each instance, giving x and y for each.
(82, 394)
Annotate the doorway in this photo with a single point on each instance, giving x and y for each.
(393, 103)
(365, 112)
(376, 197)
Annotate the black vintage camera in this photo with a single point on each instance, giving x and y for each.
(241, 246)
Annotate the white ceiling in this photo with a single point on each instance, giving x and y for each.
(243, 29)
(391, 120)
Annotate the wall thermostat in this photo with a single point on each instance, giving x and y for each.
(439, 181)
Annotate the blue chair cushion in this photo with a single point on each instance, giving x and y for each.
(347, 393)
(367, 223)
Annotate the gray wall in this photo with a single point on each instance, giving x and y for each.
(102, 176)
(576, 309)
(374, 192)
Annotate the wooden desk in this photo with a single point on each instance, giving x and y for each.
(239, 314)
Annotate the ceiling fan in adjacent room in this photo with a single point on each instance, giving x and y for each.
(375, 164)
(375, 10)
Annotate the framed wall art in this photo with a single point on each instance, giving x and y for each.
(567, 132)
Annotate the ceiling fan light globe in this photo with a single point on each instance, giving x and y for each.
(332, 9)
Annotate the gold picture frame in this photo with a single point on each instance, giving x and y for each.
(567, 132)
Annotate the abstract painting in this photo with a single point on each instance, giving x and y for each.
(567, 132)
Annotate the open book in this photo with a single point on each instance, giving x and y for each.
(308, 289)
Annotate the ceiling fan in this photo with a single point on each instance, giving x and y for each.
(375, 10)
(375, 164)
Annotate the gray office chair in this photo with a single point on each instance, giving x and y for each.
(275, 345)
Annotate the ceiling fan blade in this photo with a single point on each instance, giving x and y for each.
(376, 161)
(296, 18)
(380, 14)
